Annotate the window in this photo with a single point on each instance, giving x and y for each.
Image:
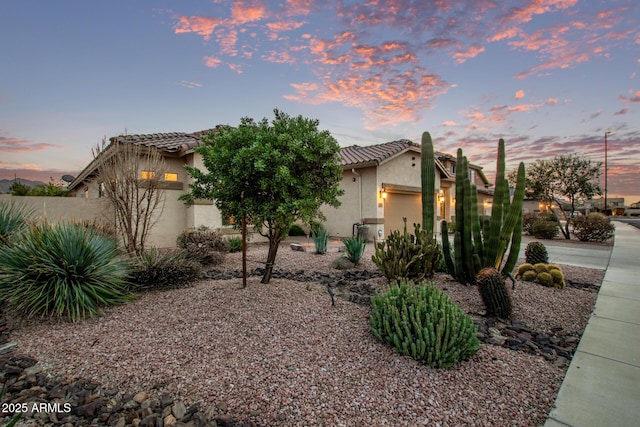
(168, 176)
(101, 189)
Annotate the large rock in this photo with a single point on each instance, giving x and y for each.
(342, 263)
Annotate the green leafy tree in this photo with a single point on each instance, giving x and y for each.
(271, 172)
(564, 180)
(19, 189)
(50, 189)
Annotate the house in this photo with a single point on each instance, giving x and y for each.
(381, 184)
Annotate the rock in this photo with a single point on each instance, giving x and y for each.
(297, 247)
(225, 421)
(121, 422)
(140, 397)
(169, 420)
(342, 263)
(179, 410)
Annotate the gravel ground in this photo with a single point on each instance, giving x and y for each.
(282, 355)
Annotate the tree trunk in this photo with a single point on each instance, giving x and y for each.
(274, 243)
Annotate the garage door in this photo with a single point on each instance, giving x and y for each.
(397, 206)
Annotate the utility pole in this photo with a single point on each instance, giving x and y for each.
(605, 169)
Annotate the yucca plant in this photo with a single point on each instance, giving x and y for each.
(355, 248)
(13, 219)
(62, 270)
(320, 237)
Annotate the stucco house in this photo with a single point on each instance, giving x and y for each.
(381, 184)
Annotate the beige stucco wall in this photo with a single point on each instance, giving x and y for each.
(59, 209)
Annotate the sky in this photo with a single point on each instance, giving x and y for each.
(551, 77)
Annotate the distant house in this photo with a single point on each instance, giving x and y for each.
(381, 183)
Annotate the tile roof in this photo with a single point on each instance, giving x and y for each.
(169, 142)
(354, 155)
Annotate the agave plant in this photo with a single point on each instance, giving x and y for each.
(355, 248)
(320, 237)
(62, 270)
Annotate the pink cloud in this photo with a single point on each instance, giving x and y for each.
(201, 25)
(211, 62)
(621, 112)
(449, 123)
(634, 98)
(16, 145)
(243, 11)
(519, 94)
(462, 55)
(551, 101)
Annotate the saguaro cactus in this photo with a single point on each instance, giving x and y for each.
(428, 174)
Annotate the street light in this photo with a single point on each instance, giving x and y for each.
(605, 168)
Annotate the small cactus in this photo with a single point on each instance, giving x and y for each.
(524, 268)
(558, 278)
(529, 276)
(540, 268)
(545, 279)
(494, 293)
(536, 253)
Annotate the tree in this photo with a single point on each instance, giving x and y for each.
(19, 189)
(131, 178)
(50, 189)
(270, 173)
(564, 180)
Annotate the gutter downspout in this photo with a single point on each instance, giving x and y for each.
(353, 171)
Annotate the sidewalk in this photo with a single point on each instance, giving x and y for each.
(602, 385)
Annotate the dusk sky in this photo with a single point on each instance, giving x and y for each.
(548, 76)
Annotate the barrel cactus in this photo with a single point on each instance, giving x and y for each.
(421, 321)
(536, 253)
(494, 293)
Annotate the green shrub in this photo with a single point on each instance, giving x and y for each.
(206, 246)
(411, 256)
(594, 227)
(320, 237)
(530, 218)
(235, 244)
(13, 219)
(545, 229)
(296, 230)
(355, 248)
(161, 270)
(62, 270)
(421, 321)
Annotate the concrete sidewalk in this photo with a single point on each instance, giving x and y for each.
(602, 385)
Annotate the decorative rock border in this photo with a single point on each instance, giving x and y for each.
(47, 400)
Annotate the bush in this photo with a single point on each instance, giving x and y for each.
(235, 244)
(545, 229)
(531, 218)
(594, 227)
(355, 248)
(105, 228)
(161, 270)
(296, 230)
(421, 321)
(410, 256)
(206, 246)
(62, 270)
(543, 274)
(320, 237)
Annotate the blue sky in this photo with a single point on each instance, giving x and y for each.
(549, 76)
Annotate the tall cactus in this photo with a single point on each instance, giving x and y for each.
(428, 175)
(474, 250)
